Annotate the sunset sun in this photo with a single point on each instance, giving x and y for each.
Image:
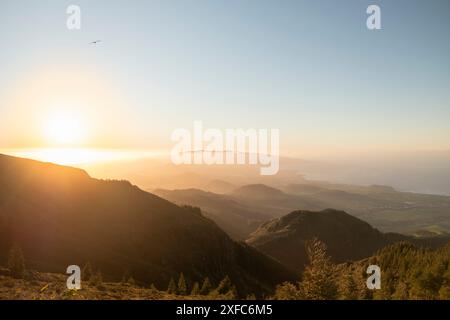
(65, 128)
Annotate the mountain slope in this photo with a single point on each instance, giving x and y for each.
(272, 201)
(60, 216)
(383, 207)
(233, 217)
(346, 237)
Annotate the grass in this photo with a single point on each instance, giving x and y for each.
(51, 286)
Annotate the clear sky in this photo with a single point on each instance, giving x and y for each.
(309, 68)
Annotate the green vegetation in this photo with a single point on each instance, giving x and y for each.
(318, 281)
(408, 273)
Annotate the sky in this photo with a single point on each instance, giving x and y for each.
(309, 68)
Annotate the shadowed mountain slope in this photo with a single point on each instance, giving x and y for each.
(60, 216)
(236, 219)
(346, 237)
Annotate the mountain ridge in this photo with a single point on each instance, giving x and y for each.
(347, 237)
(60, 216)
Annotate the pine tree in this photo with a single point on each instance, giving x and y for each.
(287, 291)
(172, 288)
(206, 287)
(126, 275)
(401, 292)
(195, 289)
(224, 286)
(348, 289)
(318, 278)
(87, 272)
(444, 292)
(232, 294)
(225, 290)
(96, 279)
(153, 289)
(16, 262)
(182, 288)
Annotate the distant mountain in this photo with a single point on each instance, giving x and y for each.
(273, 201)
(60, 216)
(233, 217)
(346, 237)
(303, 188)
(381, 206)
(258, 191)
(219, 186)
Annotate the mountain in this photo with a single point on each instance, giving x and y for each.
(259, 191)
(272, 201)
(61, 216)
(303, 188)
(236, 219)
(383, 207)
(219, 186)
(347, 238)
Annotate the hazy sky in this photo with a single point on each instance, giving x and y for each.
(310, 68)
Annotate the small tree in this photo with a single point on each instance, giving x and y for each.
(206, 287)
(401, 292)
(287, 291)
(348, 288)
(318, 281)
(96, 279)
(226, 289)
(172, 288)
(444, 292)
(195, 289)
(182, 288)
(153, 289)
(224, 286)
(87, 273)
(16, 262)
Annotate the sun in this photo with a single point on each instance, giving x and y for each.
(65, 128)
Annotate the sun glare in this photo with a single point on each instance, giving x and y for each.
(65, 129)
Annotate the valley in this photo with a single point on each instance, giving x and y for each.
(246, 240)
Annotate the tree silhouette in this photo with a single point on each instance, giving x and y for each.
(195, 289)
(87, 272)
(172, 288)
(182, 288)
(348, 289)
(16, 262)
(318, 278)
(206, 287)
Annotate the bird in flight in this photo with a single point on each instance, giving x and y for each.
(96, 41)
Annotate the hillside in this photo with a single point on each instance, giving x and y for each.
(409, 273)
(347, 238)
(272, 201)
(382, 207)
(59, 216)
(236, 219)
